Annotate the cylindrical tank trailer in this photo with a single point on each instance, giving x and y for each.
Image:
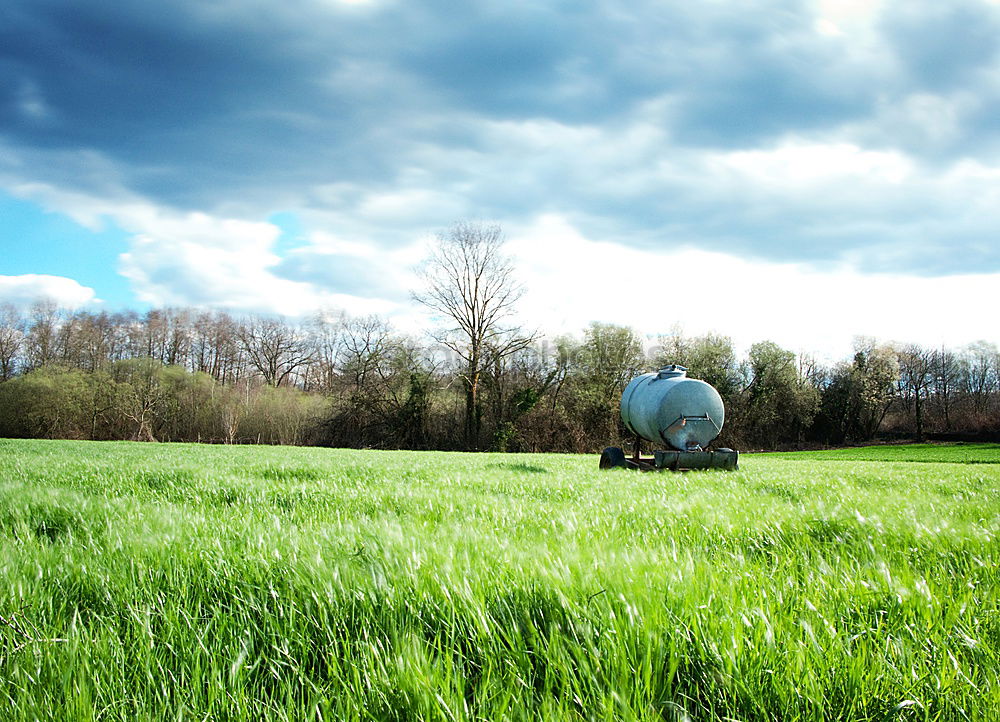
(666, 407)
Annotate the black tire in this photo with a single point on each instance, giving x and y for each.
(613, 457)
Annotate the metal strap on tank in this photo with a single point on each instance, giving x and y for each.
(717, 429)
(626, 405)
(682, 420)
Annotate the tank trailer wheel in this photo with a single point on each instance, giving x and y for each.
(613, 457)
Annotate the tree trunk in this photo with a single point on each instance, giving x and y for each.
(919, 416)
(472, 416)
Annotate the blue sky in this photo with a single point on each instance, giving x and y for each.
(39, 241)
(798, 171)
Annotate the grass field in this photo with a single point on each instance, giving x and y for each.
(933, 453)
(182, 582)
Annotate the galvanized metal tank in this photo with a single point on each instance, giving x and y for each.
(667, 406)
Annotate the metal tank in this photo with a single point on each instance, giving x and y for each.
(668, 408)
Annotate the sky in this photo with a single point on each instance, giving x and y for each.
(803, 172)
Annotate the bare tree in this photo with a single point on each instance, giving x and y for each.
(94, 339)
(326, 337)
(946, 372)
(980, 380)
(43, 331)
(178, 341)
(11, 339)
(470, 283)
(215, 347)
(367, 346)
(274, 348)
(916, 376)
(234, 407)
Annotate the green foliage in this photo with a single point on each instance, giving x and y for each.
(855, 402)
(609, 357)
(780, 403)
(49, 402)
(710, 358)
(411, 421)
(282, 415)
(156, 582)
(502, 437)
(141, 399)
(602, 365)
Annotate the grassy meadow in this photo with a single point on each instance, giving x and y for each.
(929, 453)
(185, 582)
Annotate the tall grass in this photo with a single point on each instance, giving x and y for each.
(211, 583)
(958, 453)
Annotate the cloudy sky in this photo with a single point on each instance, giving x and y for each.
(797, 171)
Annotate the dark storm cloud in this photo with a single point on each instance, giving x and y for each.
(185, 99)
(745, 78)
(483, 60)
(245, 88)
(321, 107)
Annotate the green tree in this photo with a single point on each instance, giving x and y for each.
(859, 394)
(780, 403)
(710, 358)
(608, 358)
(50, 402)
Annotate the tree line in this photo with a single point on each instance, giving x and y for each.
(186, 375)
(477, 381)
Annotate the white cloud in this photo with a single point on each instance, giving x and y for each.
(825, 26)
(206, 260)
(861, 12)
(398, 261)
(323, 242)
(572, 280)
(796, 163)
(416, 206)
(29, 287)
(201, 260)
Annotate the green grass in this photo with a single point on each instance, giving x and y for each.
(945, 453)
(168, 582)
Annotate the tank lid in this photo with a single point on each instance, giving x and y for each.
(671, 371)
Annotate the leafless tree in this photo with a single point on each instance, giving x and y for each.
(916, 376)
(234, 407)
(215, 347)
(946, 372)
(367, 346)
(470, 284)
(11, 339)
(43, 329)
(980, 379)
(94, 339)
(275, 348)
(166, 335)
(326, 337)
